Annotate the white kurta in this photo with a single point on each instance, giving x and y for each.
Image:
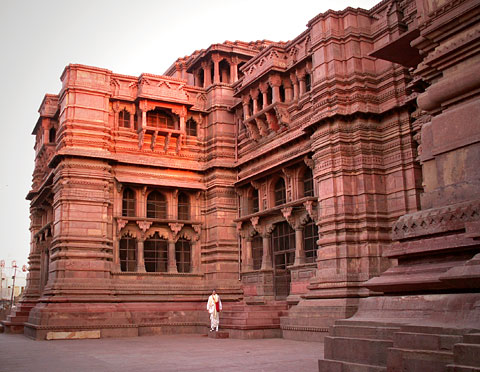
(212, 309)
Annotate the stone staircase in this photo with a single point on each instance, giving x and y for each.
(244, 320)
(357, 346)
(466, 354)
(368, 346)
(17, 318)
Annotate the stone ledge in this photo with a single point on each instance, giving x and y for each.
(74, 335)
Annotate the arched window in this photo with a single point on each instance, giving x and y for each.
(128, 203)
(308, 183)
(310, 237)
(279, 191)
(255, 207)
(308, 82)
(52, 135)
(124, 119)
(156, 205)
(250, 107)
(183, 207)
(183, 255)
(156, 254)
(191, 127)
(128, 253)
(240, 73)
(257, 252)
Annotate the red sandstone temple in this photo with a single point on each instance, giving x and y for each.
(327, 187)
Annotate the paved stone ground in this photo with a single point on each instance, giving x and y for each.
(164, 353)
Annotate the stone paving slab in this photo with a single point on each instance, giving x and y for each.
(166, 353)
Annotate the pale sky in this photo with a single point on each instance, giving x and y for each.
(39, 38)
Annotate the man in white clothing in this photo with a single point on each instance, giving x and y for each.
(214, 306)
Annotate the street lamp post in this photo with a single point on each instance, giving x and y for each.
(14, 267)
(2, 265)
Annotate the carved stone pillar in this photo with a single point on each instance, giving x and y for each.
(249, 258)
(140, 260)
(294, 81)
(301, 79)
(264, 89)
(246, 111)
(116, 109)
(172, 261)
(275, 82)
(288, 90)
(144, 119)
(216, 69)
(116, 254)
(299, 246)
(132, 119)
(233, 71)
(254, 94)
(267, 254)
(207, 80)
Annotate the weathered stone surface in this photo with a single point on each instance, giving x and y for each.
(75, 335)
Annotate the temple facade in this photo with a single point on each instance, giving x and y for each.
(329, 177)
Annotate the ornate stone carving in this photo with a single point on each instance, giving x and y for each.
(154, 138)
(175, 227)
(309, 162)
(254, 221)
(167, 140)
(144, 225)
(289, 217)
(121, 223)
(311, 210)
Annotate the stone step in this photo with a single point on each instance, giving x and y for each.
(467, 354)
(246, 315)
(376, 333)
(336, 366)
(425, 341)
(219, 334)
(256, 308)
(357, 350)
(17, 319)
(432, 330)
(459, 368)
(250, 326)
(471, 338)
(418, 360)
(251, 321)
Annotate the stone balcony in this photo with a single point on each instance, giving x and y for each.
(274, 117)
